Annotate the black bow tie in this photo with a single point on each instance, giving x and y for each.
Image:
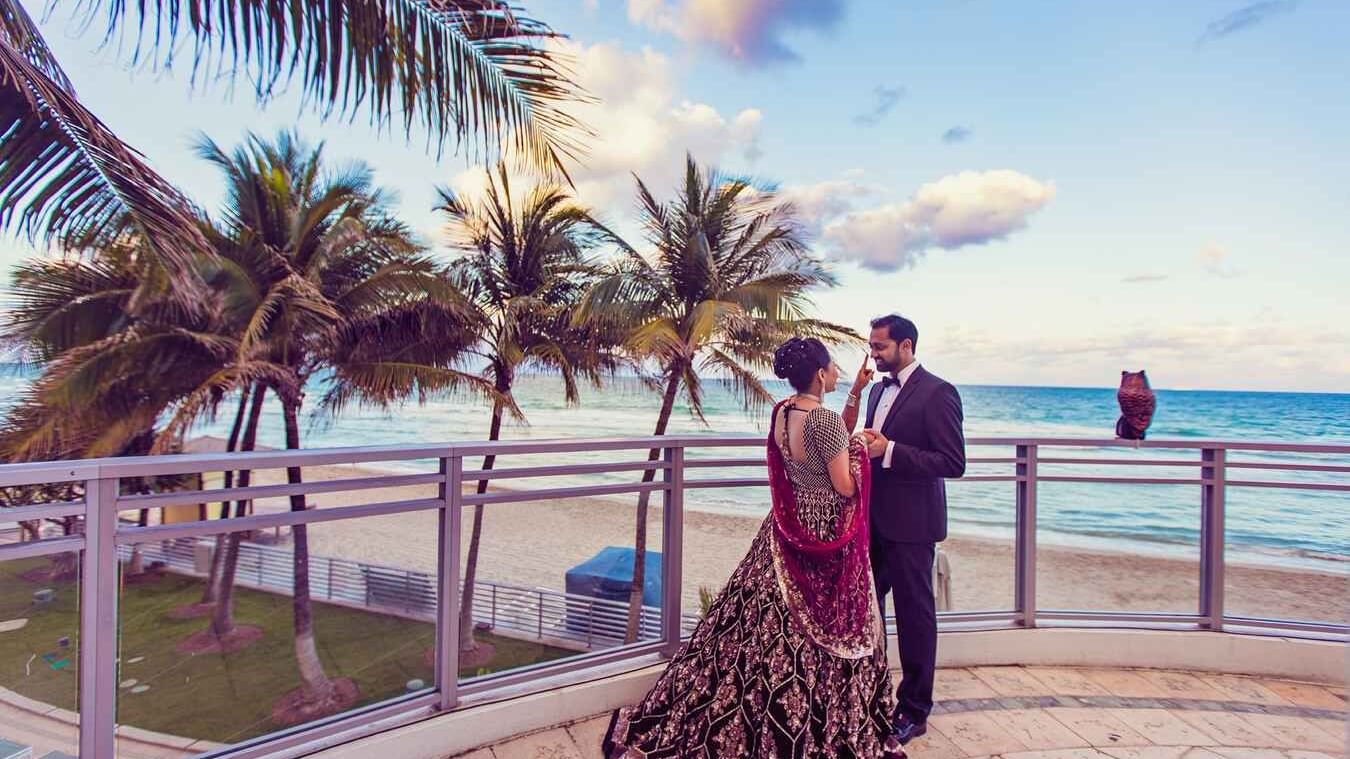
(888, 381)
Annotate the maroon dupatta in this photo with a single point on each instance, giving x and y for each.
(827, 584)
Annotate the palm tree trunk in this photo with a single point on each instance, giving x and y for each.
(318, 688)
(137, 564)
(213, 576)
(222, 619)
(640, 536)
(466, 639)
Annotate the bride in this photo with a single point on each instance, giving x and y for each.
(790, 660)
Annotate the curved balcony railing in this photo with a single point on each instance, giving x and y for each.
(102, 541)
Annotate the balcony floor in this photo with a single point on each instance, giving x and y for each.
(1068, 713)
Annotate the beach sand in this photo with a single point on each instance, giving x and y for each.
(532, 544)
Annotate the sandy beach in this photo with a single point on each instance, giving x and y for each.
(533, 544)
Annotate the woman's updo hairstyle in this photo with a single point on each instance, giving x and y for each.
(798, 360)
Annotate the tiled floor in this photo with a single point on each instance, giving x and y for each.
(1054, 713)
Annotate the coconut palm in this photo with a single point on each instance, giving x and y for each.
(523, 267)
(726, 280)
(113, 364)
(337, 287)
(472, 73)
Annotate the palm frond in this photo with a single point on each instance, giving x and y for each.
(777, 295)
(827, 332)
(472, 72)
(60, 305)
(206, 395)
(657, 338)
(693, 390)
(65, 177)
(707, 319)
(754, 396)
(17, 27)
(384, 383)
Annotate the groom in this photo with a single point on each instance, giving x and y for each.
(915, 440)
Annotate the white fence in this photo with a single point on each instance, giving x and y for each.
(535, 613)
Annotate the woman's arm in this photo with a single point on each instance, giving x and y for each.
(854, 401)
(850, 414)
(840, 476)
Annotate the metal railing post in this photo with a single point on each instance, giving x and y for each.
(98, 621)
(672, 550)
(1025, 602)
(447, 625)
(1213, 492)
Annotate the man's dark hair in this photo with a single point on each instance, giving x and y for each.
(899, 328)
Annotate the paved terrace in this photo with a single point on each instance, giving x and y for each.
(1071, 713)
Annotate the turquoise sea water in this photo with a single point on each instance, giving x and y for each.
(1289, 526)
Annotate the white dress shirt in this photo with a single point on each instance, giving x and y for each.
(888, 397)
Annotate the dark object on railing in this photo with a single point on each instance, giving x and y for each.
(1137, 403)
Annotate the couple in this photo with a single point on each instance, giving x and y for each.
(790, 660)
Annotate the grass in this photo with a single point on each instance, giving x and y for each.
(218, 697)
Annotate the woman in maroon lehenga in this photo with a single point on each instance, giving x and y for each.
(790, 659)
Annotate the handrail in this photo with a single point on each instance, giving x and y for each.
(103, 537)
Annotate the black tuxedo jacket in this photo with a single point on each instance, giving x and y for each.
(909, 500)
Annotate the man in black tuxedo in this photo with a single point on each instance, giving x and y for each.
(915, 440)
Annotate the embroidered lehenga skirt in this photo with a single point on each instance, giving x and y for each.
(753, 681)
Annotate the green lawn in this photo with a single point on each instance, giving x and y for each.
(220, 697)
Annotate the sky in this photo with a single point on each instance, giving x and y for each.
(1053, 191)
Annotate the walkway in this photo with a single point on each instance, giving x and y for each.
(1065, 713)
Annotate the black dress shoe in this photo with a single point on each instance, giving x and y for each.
(907, 730)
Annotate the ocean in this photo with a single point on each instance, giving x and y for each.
(1291, 527)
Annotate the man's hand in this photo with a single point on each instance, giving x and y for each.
(876, 443)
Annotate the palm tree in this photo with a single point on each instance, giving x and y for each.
(338, 286)
(113, 363)
(473, 73)
(523, 269)
(211, 593)
(725, 282)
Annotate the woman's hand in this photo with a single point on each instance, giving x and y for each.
(876, 443)
(863, 377)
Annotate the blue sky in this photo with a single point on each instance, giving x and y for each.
(1122, 185)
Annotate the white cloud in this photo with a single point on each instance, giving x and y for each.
(1277, 355)
(818, 204)
(969, 208)
(642, 125)
(747, 31)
